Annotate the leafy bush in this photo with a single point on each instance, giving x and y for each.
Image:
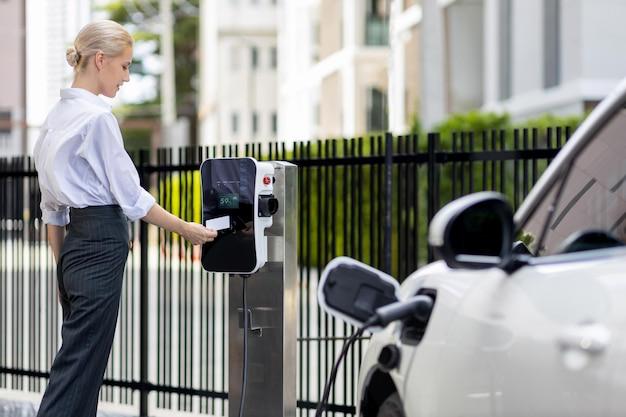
(471, 122)
(476, 121)
(549, 120)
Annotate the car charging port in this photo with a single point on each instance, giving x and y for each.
(389, 358)
(413, 327)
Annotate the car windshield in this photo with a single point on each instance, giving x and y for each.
(594, 196)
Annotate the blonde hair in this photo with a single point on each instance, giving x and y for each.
(106, 35)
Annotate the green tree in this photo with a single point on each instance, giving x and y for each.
(141, 18)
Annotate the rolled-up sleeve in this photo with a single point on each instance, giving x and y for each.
(52, 213)
(103, 149)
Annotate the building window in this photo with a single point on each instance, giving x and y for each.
(376, 110)
(315, 35)
(234, 122)
(505, 47)
(254, 57)
(5, 122)
(255, 123)
(551, 43)
(376, 23)
(274, 123)
(274, 57)
(234, 58)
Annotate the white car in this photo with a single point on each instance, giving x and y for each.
(525, 331)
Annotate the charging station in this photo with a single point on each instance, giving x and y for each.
(253, 205)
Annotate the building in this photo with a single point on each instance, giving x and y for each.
(238, 71)
(12, 78)
(333, 68)
(525, 57)
(346, 67)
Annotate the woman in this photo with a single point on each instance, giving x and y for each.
(89, 183)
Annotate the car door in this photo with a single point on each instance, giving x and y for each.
(541, 341)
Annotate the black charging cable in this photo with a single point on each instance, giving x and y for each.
(419, 307)
(321, 406)
(246, 325)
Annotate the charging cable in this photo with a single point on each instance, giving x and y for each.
(321, 406)
(419, 307)
(246, 325)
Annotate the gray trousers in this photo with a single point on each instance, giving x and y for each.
(90, 274)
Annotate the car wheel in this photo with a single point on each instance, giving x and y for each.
(391, 407)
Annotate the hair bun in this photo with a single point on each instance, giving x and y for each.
(72, 56)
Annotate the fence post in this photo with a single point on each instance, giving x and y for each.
(388, 199)
(144, 179)
(433, 182)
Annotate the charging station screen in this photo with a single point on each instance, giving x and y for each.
(228, 195)
(228, 201)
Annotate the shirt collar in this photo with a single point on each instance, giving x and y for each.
(80, 93)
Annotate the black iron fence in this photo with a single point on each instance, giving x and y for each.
(369, 198)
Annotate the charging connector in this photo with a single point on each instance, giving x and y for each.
(419, 307)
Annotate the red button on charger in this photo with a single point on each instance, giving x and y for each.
(267, 180)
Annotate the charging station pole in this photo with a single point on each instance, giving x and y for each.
(272, 294)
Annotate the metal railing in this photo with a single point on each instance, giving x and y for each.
(369, 198)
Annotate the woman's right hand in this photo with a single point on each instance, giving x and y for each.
(197, 234)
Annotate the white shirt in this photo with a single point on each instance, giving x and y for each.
(81, 161)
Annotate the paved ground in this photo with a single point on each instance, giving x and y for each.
(13, 408)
